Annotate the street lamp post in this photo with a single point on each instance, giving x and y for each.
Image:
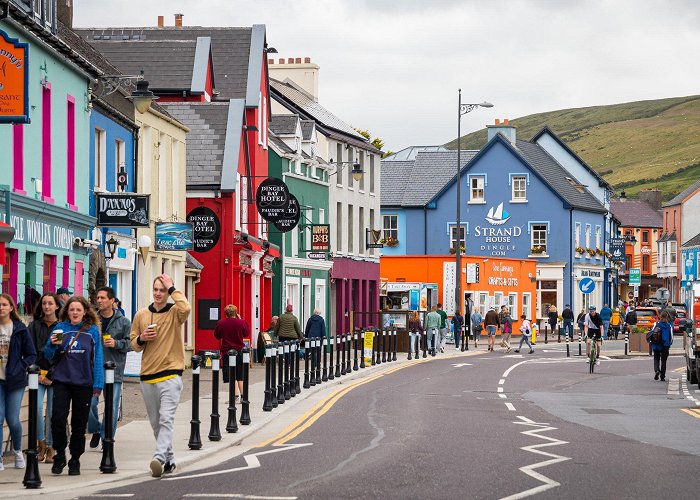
(462, 109)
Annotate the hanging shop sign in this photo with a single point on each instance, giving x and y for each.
(174, 236)
(290, 217)
(123, 210)
(207, 228)
(14, 80)
(316, 255)
(617, 249)
(320, 237)
(272, 199)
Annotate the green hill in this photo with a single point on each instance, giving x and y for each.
(633, 145)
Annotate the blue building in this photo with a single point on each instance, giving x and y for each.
(518, 201)
(690, 265)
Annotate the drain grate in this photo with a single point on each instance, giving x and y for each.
(601, 411)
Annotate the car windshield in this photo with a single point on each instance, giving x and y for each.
(645, 312)
(680, 314)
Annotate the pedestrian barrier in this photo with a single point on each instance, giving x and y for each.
(362, 348)
(337, 355)
(108, 465)
(393, 356)
(32, 479)
(324, 347)
(307, 380)
(347, 346)
(331, 344)
(245, 403)
(214, 432)
(355, 365)
(231, 424)
(195, 442)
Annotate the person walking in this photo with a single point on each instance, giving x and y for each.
(605, 315)
(457, 325)
(567, 316)
(553, 318)
(580, 320)
(63, 295)
(432, 327)
(415, 326)
(492, 325)
(287, 328)
(75, 347)
(475, 321)
(230, 333)
(525, 331)
(315, 329)
(116, 342)
(630, 319)
(615, 322)
(17, 353)
(662, 347)
(45, 320)
(501, 315)
(443, 328)
(506, 330)
(157, 333)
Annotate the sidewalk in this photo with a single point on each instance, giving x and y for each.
(135, 443)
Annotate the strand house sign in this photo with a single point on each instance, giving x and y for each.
(14, 80)
(122, 210)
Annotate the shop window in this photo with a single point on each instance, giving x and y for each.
(339, 227)
(390, 227)
(351, 229)
(100, 160)
(46, 143)
(9, 273)
(498, 300)
(538, 235)
(518, 188)
(483, 302)
(547, 296)
(527, 305)
(476, 189)
(454, 238)
(513, 305)
(645, 264)
(672, 253)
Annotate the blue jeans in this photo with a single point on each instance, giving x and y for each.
(569, 329)
(606, 327)
(526, 339)
(10, 403)
(94, 425)
(433, 333)
(41, 421)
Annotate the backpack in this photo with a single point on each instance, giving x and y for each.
(654, 336)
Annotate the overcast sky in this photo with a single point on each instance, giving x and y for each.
(394, 67)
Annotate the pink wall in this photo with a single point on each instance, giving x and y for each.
(78, 278)
(70, 153)
(65, 278)
(18, 159)
(46, 144)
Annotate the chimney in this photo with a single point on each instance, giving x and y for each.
(652, 197)
(270, 61)
(303, 74)
(505, 129)
(178, 20)
(161, 21)
(65, 12)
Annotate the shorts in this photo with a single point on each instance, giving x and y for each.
(239, 367)
(476, 333)
(491, 330)
(595, 333)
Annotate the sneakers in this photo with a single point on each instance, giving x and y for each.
(95, 441)
(2, 466)
(74, 466)
(656, 376)
(169, 468)
(59, 463)
(238, 399)
(19, 459)
(531, 351)
(156, 468)
(588, 360)
(516, 350)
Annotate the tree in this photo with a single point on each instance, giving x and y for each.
(376, 142)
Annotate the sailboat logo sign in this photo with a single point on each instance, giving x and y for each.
(498, 216)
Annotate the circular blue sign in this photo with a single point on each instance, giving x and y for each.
(586, 285)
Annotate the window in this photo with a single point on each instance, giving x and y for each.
(588, 236)
(662, 254)
(672, 253)
(348, 167)
(70, 152)
(321, 216)
(539, 236)
(645, 236)
(361, 227)
(338, 159)
(453, 236)
(483, 302)
(476, 189)
(46, 143)
(338, 227)
(320, 297)
(100, 160)
(527, 304)
(498, 300)
(351, 229)
(628, 262)
(119, 157)
(65, 272)
(175, 173)
(293, 293)
(18, 157)
(362, 166)
(163, 181)
(519, 189)
(49, 273)
(577, 235)
(513, 305)
(390, 227)
(645, 263)
(597, 236)
(371, 173)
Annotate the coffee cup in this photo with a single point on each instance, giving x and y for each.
(59, 334)
(106, 336)
(154, 327)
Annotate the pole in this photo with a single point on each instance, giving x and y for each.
(108, 464)
(297, 361)
(362, 348)
(579, 342)
(232, 425)
(568, 354)
(343, 364)
(292, 368)
(195, 442)
(627, 341)
(267, 402)
(214, 432)
(546, 341)
(465, 337)
(307, 382)
(317, 350)
(355, 363)
(285, 384)
(458, 252)
(411, 336)
(245, 404)
(425, 343)
(273, 375)
(393, 356)
(348, 347)
(324, 347)
(331, 347)
(32, 479)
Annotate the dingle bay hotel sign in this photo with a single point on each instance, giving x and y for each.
(122, 210)
(14, 80)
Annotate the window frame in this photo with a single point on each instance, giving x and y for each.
(452, 229)
(513, 178)
(482, 188)
(544, 229)
(526, 305)
(390, 229)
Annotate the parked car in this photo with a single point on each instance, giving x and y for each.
(679, 322)
(647, 316)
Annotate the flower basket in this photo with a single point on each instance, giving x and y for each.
(590, 251)
(599, 251)
(580, 250)
(390, 242)
(537, 250)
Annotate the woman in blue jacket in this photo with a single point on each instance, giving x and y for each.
(661, 349)
(75, 347)
(16, 354)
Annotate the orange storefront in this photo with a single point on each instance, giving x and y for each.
(491, 281)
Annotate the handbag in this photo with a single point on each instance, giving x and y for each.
(49, 374)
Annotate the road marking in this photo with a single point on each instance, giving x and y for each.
(234, 495)
(252, 462)
(510, 406)
(500, 389)
(108, 495)
(502, 381)
(693, 412)
(530, 469)
(674, 386)
(686, 392)
(679, 370)
(459, 365)
(503, 396)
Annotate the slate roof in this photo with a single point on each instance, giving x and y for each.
(692, 242)
(416, 183)
(284, 124)
(556, 176)
(167, 64)
(678, 199)
(409, 153)
(206, 140)
(636, 213)
(307, 126)
(279, 143)
(230, 50)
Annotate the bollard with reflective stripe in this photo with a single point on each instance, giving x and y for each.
(378, 360)
(317, 350)
(267, 402)
(417, 342)
(195, 442)
(214, 432)
(307, 381)
(285, 384)
(383, 346)
(314, 361)
(348, 348)
(355, 365)
(280, 372)
(32, 479)
(337, 354)
(568, 353)
(331, 348)
(245, 403)
(231, 424)
(297, 360)
(273, 374)
(425, 343)
(393, 357)
(108, 464)
(579, 342)
(362, 348)
(627, 340)
(465, 343)
(324, 345)
(434, 337)
(292, 368)
(343, 364)
(546, 329)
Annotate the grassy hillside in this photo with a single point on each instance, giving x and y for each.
(634, 145)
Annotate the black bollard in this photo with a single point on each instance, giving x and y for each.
(314, 361)
(337, 354)
(317, 350)
(568, 353)
(465, 344)
(214, 432)
(292, 368)
(378, 356)
(245, 403)
(307, 382)
(108, 464)
(411, 335)
(348, 348)
(324, 347)
(355, 362)
(195, 442)
(559, 334)
(627, 340)
(579, 342)
(417, 342)
(362, 348)
(273, 372)
(285, 383)
(424, 339)
(267, 402)
(383, 346)
(331, 348)
(434, 337)
(393, 356)
(280, 372)
(343, 364)
(297, 360)
(32, 479)
(231, 424)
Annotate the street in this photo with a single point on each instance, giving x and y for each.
(479, 426)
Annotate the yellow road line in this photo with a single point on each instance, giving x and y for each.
(693, 412)
(679, 370)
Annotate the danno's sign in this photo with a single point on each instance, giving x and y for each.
(14, 80)
(122, 210)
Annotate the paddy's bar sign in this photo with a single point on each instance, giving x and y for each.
(14, 80)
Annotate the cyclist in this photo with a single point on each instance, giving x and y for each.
(593, 324)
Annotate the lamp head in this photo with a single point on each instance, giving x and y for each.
(142, 97)
(357, 172)
(486, 104)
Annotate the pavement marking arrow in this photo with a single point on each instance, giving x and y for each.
(460, 365)
(252, 462)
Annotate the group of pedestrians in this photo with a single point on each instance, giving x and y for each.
(502, 322)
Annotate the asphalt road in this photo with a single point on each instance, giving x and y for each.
(486, 426)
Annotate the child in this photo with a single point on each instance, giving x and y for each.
(525, 330)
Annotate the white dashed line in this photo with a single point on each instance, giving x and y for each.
(503, 396)
(686, 392)
(500, 389)
(502, 381)
(510, 406)
(674, 386)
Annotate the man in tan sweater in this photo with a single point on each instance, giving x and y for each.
(157, 333)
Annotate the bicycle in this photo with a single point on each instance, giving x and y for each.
(594, 355)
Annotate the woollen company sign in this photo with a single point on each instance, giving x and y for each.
(14, 80)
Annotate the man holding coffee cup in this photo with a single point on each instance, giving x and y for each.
(157, 333)
(116, 343)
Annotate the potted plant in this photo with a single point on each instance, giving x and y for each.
(590, 252)
(390, 241)
(537, 250)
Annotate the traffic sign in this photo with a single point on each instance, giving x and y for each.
(663, 294)
(586, 285)
(635, 276)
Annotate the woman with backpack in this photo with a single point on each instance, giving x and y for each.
(661, 339)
